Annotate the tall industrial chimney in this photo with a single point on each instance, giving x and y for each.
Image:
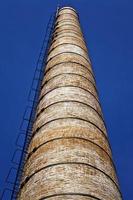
(69, 156)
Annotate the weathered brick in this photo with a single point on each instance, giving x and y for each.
(69, 155)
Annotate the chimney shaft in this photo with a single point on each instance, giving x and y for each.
(69, 154)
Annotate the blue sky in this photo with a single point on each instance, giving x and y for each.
(108, 29)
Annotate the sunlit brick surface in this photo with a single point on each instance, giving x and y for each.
(69, 156)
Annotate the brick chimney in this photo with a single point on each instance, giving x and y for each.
(69, 156)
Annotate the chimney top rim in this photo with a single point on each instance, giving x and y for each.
(67, 7)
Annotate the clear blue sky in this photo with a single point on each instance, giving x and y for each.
(108, 29)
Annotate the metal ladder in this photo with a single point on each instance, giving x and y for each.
(13, 179)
